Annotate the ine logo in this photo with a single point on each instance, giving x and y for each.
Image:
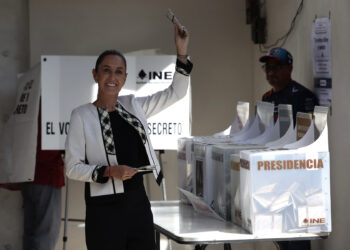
(142, 74)
(314, 221)
(144, 77)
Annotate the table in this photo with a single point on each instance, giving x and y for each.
(181, 223)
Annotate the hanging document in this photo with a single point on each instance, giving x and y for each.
(322, 60)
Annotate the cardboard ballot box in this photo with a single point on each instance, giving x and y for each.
(288, 189)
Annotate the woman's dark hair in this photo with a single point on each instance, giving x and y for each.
(107, 53)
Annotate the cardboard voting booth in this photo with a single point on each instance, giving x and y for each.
(288, 189)
(18, 139)
(67, 83)
(64, 83)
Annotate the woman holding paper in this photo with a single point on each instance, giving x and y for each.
(106, 145)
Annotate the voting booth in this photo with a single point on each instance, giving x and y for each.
(19, 137)
(67, 83)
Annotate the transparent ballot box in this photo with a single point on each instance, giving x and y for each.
(287, 189)
(223, 185)
(184, 166)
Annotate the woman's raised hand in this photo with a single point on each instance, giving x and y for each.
(181, 40)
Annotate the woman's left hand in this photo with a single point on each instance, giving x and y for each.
(181, 40)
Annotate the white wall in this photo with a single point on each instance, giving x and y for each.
(279, 17)
(14, 55)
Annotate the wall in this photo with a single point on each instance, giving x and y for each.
(14, 59)
(14, 56)
(279, 17)
(221, 55)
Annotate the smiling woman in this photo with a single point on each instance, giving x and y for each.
(110, 74)
(107, 145)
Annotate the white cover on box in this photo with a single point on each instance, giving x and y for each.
(277, 129)
(279, 132)
(305, 131)
(240, 121)
(262, 120)
(286, 125)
